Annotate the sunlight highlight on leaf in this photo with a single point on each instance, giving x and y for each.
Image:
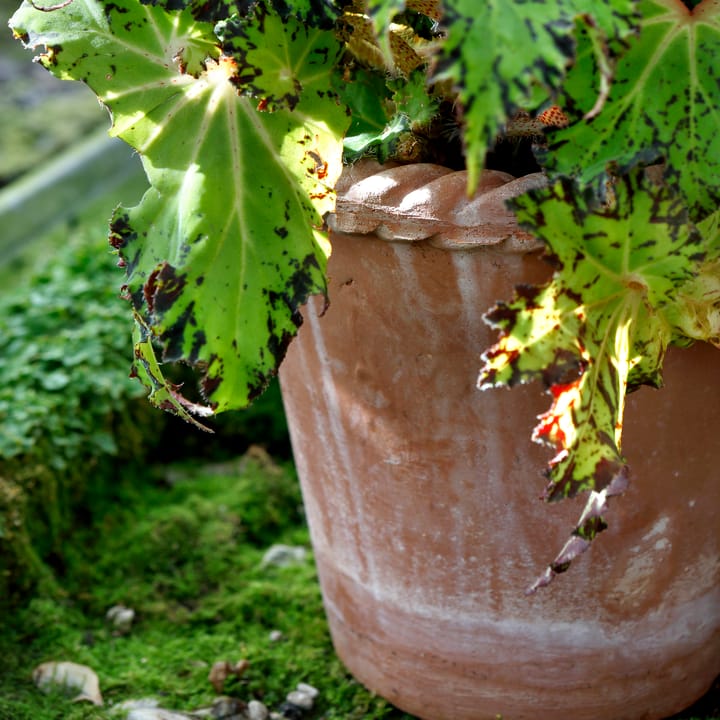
(598, 330)
(213, 237)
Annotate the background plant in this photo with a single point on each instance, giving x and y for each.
(66, 406)
(239, 115)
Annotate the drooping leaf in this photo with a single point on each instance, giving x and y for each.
(163, 394)
(662, 105)
(599, 329)
(219, 255)
(514, 55)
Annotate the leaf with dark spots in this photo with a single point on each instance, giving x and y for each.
(602, 326)
(275, 54)
(199, 341)
(514, 55)
(660, 107)
(150, 288)
(168, 287)
(120, 231)
(204, 249)
(174, 337)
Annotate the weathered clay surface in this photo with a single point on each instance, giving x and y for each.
(430, 202)
(422, 492)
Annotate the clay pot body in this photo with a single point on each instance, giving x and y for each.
(422, 492)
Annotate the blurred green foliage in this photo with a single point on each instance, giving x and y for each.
(67, 405)
(71, 419)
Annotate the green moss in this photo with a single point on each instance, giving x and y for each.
(186, 556)
(67, 407)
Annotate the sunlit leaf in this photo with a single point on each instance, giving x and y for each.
(226, 244)
(599, 329)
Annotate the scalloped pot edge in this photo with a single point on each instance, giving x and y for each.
(426, 202)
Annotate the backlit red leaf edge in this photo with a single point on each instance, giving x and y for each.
(599, 329)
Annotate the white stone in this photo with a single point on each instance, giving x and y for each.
(313, 692)
(283, 555)
(301, 699)
(121, 617)
(257, 711)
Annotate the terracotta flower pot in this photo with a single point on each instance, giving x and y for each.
(422, 492)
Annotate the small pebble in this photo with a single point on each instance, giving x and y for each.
(313, 692)
(301, 699)
(283, 555)
(121, 617)
(227, 707)
(257, 711)
(156, 713)
(69, 675)
(139, 704)
(275, 636)
(290, 711)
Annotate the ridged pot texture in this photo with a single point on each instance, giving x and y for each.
(422, 492)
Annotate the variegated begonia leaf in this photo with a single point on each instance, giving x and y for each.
(498, 61)
(226, 244)
(598, 329)
(662, 105)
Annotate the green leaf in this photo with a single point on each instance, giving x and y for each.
(500, 58)
(367, 96)
(380, 120)
(412, 99)
(598, 330)
(663, 105)
(226, 245)
(278, 59)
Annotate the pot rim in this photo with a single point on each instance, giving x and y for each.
(429, 203)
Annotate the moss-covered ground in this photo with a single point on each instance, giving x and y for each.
(183, 548)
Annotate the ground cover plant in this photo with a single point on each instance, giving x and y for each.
(67, 407)
(183, 548)
(69, 410)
